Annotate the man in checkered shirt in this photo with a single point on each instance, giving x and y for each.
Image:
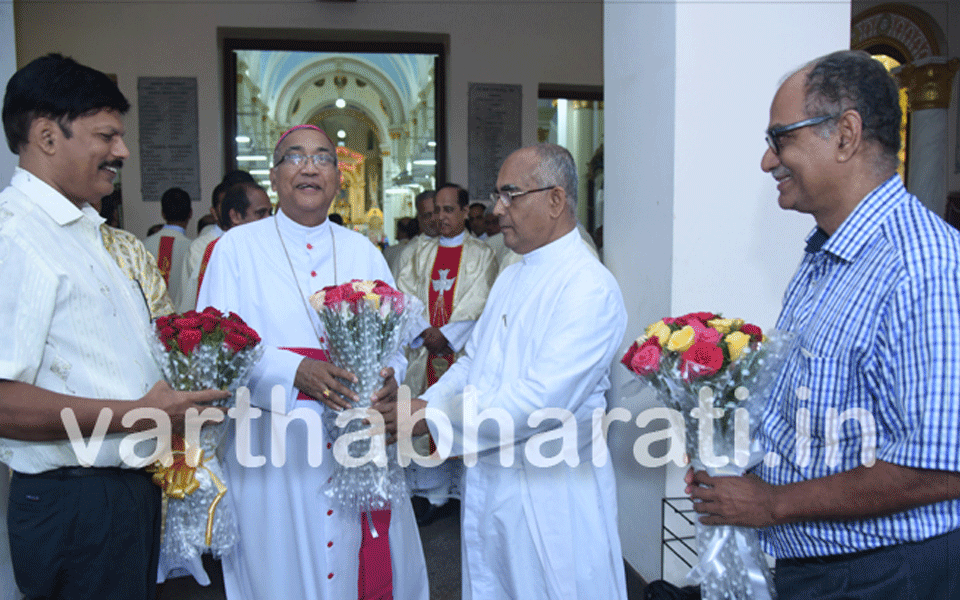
(858, 493)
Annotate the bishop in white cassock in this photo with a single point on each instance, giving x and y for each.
(541, 521)
(293, 542)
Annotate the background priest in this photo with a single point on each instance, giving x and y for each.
(293, 542)
(170, 245)
(451, 274)
(539, 517)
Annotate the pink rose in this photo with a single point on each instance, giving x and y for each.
(646, 359)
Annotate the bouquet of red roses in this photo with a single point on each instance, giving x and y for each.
(716, 373)
(197, 351)
(364, 323)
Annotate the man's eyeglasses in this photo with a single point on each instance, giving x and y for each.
(507, 197)
(774, 133)
(298, 160)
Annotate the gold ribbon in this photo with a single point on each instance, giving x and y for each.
(176, 474)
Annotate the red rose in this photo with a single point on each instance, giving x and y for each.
(187, 323)
(234, 317)
(629, 354)
(163, 322)
(334, 295)
(355, 298)
(646, 359)
(188, 340)
(251, 334)
(207, 322)
(236, 341)
(700, 360)
(211, 311)
(190, 314)
(755, 333)
(167, 333)
(228, 326)
(694, 318)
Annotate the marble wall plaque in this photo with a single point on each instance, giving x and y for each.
(494, 132)
(169, 136)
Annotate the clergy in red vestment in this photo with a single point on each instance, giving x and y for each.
(452, 275)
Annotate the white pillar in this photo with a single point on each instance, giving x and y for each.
(691, 223)
(928, 82)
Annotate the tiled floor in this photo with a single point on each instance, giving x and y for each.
(441, 550)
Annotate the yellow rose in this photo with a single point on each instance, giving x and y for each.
(681, 340)
(363, 286)
(721, 325)
(661, 330)
(736, 342)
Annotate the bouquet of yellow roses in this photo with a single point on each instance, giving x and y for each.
(716, 373)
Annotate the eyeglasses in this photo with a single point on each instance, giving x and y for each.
(774, 133)
(298, 160)
(507, 197)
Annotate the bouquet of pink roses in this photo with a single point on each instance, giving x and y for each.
(716, 373)
(196, 351)
(365, 324)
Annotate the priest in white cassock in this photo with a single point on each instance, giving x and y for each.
(452, 275)
(293, 542)
(539, 518)
(169, 246)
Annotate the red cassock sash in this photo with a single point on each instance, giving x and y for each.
(165, 257)
(203, 265)
(375, 578)
(441, 304)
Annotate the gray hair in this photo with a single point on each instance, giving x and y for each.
(854, 80)
(556, 167)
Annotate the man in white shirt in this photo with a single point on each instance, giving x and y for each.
(294, 541)
(84, 520)
(169, 245)
(539, 512)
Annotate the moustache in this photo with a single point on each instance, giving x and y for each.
(781, 172)
(117, 164)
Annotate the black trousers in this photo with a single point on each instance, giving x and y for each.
(927, 570)
(80, 534)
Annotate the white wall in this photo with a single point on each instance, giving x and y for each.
(526, 42)
(691, 222)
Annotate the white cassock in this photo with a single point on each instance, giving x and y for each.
(546, 340)
(293, 543)
(181, 247)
